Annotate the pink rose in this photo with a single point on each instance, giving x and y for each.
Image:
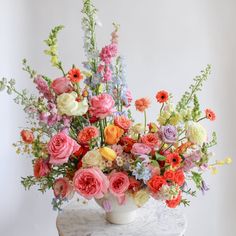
(140, 149)
(63, 188)
(61, 85)
(90, 183)
(123, 122)
(102, 105)
(60, 147)
(41, 168)
(119, 184)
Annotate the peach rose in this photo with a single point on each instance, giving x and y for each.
(119, 184)
(63, 188)
(123, 122)
(87, 134)
(102, 106)
(90, 183)
(113, 134)
(61, 85)
(41, 168)
(60, 147)
(27, 136)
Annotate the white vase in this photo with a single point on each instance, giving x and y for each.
(119, 214)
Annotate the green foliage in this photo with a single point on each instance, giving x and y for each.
(193, 89)
(185, 202)
(52, 50)
(189, 192)
(32, 73)
(159, 157)
(196, 112)
(197, 178)
(210, 144)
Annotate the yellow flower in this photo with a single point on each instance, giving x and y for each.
(175, 118)
(141, 197)
(196, 133)
(228, 160)
(67, 104)
(93, 158)
(108, 153)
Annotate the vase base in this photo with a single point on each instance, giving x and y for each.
(121, 218)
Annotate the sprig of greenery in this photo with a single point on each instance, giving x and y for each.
(196, 112)
(197, 178)
(185, 202)
(189, 192)
(193, 89)
(52, 50)
(32, 73)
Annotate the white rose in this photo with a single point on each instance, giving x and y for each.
(67, 104)
(93, 158)
(196, 133)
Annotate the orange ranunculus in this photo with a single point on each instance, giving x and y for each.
(113, 134)
(142, 104)
(27, 136)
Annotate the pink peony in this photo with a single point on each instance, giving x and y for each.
(123, 122)
(140, 149)
(63, 188)
(102, 105)
(119, 184)
(60, 147)
(87, 134)
(61, 85)
(41, 168)
(90, 183)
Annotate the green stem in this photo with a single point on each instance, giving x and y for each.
(101, 132)
(145, 121)
(202, 118)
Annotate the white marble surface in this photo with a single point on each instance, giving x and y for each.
(154, 219)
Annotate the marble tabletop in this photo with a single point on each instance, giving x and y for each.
(154, 219)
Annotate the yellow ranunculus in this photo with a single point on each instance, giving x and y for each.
(141, 197)
(108, 153)
(67, 104)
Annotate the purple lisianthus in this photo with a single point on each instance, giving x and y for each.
(204, 187)
(188, 165)
(169, 134)
(195, 156)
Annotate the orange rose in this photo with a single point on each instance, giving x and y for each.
(113, 134)
(27, 136)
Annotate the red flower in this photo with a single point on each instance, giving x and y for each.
(75, 75)
(179, 177)
(155, 183)
(127, 143)
(27, 136)
(162, 96)
(151, 140)
(174, 159)
(134, 184)
(169, 175)
(175, 202)
(41, 168)
(82, 151)
(210, 115)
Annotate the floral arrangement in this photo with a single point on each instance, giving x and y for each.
(83, 139)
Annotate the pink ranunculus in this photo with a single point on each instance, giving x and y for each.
(61, 85)
(140, 149)
(102, 105)
(90, 183)
(41, 168)
(60, 147)
(119, 184)
(63, 188)
(123, 122)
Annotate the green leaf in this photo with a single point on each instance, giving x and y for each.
(197, 178)
(159, 157)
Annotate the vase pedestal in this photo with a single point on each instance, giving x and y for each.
(120, 218)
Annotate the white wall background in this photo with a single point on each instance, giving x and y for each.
(166, 43)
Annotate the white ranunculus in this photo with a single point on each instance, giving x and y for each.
(196, 133)
(67, 105)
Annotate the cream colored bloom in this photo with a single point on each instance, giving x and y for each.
(67, 104)
(141, 197)
(196, 133)
(93, 158)
(136, 130)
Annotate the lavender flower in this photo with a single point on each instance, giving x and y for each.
(204, 187)
(169, 134)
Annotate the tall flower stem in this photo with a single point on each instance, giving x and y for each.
(145, 121)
